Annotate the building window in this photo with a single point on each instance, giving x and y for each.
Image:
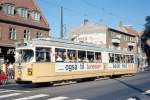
(23, 12)
(124, 37)
(36, 16)
(9, 9)
(110, 34)
(12, 33)
(39, 34)
(26, 35)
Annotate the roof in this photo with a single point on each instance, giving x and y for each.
(21, 3)
(119, 31)
(31, 5)
(131, 30)
(88, 27)
(127, 29)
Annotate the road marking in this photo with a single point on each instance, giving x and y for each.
(146, 92)
(131, 99)
(23, 91)
(9, 95)
(4, 91)
(58, 98)
(32, 97)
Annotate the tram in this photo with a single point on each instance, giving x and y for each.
(50, 60)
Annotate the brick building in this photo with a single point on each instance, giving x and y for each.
(20, 21)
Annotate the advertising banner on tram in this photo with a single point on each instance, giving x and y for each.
(69, 67)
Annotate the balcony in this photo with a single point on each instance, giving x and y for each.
(131, 44)
(115, 40)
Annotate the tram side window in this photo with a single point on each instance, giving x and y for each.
(127, 57)
(111, 58)
(60, 54)
(132, 58)
(98, 57)
(123, 59)
(82, 56)
(117, 58)
(90, 56)
(43, 54)
(71, 56)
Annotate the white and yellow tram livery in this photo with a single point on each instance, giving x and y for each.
(53, 60)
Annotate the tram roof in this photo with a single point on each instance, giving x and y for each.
(64, 43)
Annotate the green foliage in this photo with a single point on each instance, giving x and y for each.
(145, 37)
(147, 19)
(147, 27)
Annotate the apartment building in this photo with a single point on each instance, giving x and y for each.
(104, 36)
(20, 21)
(89, 32)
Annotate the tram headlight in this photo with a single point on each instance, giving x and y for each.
(30, 71)
(19, 72)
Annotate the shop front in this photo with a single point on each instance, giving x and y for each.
(7, 54)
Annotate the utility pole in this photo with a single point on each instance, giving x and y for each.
(61, 24)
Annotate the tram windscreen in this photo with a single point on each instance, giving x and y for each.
(24, 56)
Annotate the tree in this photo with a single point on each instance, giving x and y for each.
(145, 39)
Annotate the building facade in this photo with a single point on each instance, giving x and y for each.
(20, 21)
(89, 32)
(120, 40)
(104, 36)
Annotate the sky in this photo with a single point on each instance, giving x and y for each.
(108, 12)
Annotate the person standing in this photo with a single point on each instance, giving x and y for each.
(10, 71)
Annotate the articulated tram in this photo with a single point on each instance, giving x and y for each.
(50, 60)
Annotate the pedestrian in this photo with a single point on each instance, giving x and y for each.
(10, 71)
(4, 68)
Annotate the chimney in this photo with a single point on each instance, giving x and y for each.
(120, 24)
(85, 21)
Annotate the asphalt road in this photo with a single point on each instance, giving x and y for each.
(102, 89)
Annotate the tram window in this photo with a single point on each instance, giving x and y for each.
(129, 59)
(60, 54)
(43, 54)
(126, 58)
(123, 59)
(117, 58)
(71, 56)
(98, 57)
(25, 55)
(90, 56)
(82, 56)
(132, 58)
(111, 58)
